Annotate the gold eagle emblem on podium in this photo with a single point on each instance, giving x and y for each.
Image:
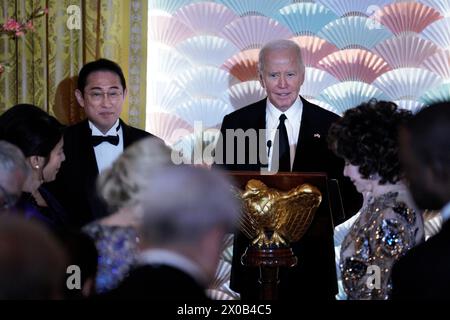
(272, 217)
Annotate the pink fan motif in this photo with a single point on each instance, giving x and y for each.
(406, 50)
(244, 93)
(354, 65)
(167, 126)
(314, 49)
(442, 6)
(406, 83)
(439, 63)
(407, 17)
(243, 65)
(168, 30)
(253, 32)
(316, 81)
(205, 17)
(438, 32)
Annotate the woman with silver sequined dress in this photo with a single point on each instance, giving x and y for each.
(388, 224)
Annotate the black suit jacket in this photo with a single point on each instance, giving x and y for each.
(314, 276)
(158, 283)
(75, 185)
(423, 273)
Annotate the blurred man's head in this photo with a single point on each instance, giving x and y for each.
(188, 210)
(32, 262)
(425, 154)
(14, 172)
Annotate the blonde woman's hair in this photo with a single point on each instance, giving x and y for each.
(120, 184)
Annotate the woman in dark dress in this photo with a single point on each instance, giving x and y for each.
(40, 137)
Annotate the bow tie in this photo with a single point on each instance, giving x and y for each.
(96, 140)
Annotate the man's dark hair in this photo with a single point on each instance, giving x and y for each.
(429, 133)
(99, 65)
(367, 136)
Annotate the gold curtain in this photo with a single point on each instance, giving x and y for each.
(44, 63)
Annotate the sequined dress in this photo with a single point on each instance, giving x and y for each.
(385, 230)
(117, 251)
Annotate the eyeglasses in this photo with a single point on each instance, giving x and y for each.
(7, 200)
(97, 96)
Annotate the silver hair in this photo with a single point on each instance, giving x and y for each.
(12, 159)
(120, 184)
(181, 204)
(279, 44)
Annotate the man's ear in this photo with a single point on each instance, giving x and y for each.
(261, 80)
(302, 75)
(79, 97)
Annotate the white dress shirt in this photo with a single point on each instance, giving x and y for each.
(106, 153)
(294, 117)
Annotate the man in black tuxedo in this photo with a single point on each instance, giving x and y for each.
(186, 212)
(93, 144)
(288, 133)
(423, 273)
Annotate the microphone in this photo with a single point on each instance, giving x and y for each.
(269, 145)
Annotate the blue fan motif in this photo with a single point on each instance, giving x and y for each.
(207, 50)
(354, 32)
(438, 94)
(306, 18)
(406, 83)
(349, 94)
(205, 82)
(255, 7)
(168, 6)
(354, 7)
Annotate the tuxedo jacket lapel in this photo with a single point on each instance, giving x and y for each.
(87, 152)
(126, 134)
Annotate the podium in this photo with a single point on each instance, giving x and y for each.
(269, 258)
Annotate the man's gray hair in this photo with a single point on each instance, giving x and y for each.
(279, 44)
(181, 204)
(12, 159)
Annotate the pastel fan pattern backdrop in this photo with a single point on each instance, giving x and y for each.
(202, 57)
